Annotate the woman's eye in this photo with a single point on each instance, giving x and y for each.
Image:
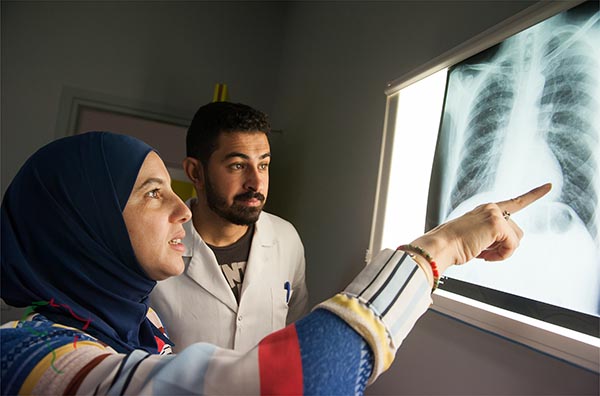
(153, 194)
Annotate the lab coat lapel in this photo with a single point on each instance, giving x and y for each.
(259, 269)
(205, 271)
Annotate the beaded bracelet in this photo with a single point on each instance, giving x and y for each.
(419, 251)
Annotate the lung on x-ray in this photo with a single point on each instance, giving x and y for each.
(519, 114)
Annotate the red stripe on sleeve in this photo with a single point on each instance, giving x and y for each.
(160, 344)
(280, 363)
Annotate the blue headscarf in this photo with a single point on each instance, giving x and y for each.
(64, 239)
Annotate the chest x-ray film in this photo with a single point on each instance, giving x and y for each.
(522, 113)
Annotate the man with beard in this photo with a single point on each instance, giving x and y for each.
(244, 274)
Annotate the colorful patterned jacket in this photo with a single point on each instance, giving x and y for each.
(343, 345)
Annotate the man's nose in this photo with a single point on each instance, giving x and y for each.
(254, 180)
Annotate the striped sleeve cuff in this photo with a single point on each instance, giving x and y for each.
(383, 303)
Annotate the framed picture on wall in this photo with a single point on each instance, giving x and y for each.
(83, 111)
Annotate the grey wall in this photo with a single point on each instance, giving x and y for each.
(337, 58)
(319, 69)
(169, 54)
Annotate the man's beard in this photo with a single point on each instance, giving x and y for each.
(236, 213)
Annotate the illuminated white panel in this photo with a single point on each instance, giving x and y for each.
(416, 130)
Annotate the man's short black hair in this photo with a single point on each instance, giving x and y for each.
(217, 117)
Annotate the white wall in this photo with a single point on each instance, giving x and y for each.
(319, 69)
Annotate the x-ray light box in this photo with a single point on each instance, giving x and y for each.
(515, 107)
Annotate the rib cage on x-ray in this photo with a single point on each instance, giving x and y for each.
(522, 113)
(551, 72)
(567, 112)
(486, 130)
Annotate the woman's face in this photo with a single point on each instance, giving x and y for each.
(154, 215)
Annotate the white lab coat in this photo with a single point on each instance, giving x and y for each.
(199, 306)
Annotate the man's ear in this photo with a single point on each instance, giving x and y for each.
(194, 170)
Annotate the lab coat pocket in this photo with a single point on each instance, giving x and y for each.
(280, 306)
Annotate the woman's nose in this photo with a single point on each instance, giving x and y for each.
(182, 213)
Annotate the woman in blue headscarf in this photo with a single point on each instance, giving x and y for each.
(64, 239)
(90, 223)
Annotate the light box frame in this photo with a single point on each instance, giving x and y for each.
(571, 346)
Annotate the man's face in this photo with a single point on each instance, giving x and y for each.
(237, 176)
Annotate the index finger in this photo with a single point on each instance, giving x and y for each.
(515, 204)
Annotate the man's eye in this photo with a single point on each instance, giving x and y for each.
(236, 166)
(154, 193)
(263, 166)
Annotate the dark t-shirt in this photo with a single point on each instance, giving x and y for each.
(233, 260)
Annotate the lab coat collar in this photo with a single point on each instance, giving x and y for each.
(202, 266)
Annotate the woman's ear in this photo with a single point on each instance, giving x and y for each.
(195, 171)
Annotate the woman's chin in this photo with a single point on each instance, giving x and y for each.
(173, 269)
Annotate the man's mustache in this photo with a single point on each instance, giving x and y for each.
(249, 195)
